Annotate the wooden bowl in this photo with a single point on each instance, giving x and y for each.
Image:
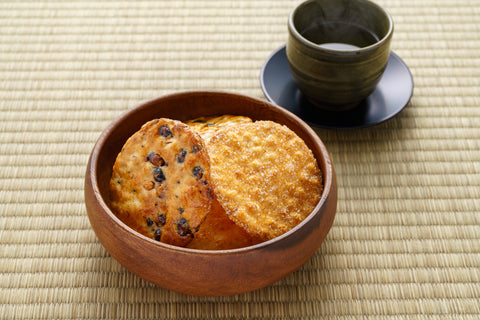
(204, 272)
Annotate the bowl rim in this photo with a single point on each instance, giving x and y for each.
(93, 163)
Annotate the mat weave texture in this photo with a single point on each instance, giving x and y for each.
(405, 243)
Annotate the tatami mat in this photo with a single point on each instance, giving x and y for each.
(406, 239)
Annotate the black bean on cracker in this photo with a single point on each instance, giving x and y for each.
(167, 165)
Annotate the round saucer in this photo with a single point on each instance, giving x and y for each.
(391, 95)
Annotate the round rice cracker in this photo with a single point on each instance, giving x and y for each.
(207, 127)
(160, 184)
(218, 232)
(265, 177)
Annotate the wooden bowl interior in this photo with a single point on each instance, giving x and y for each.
(222, 272)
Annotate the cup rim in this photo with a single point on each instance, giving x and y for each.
(312, 45)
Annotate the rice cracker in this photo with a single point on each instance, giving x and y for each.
(207, 127)
(160, 184)
(218, 232)
(265, 177)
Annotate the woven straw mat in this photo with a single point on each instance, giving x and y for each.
(405, 242)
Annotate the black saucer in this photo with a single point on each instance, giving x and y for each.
(391, 95)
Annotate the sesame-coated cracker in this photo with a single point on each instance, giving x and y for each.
(265, 177)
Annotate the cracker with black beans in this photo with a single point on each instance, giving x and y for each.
(160, 184)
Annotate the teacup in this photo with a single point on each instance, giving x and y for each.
(338, 50)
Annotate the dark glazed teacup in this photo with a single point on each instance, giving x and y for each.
(338, 50)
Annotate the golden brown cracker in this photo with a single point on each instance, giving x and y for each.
(207, 127)
(160, 184)
(265, 177)
(218, 232)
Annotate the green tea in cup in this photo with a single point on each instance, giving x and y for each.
(338, 50)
